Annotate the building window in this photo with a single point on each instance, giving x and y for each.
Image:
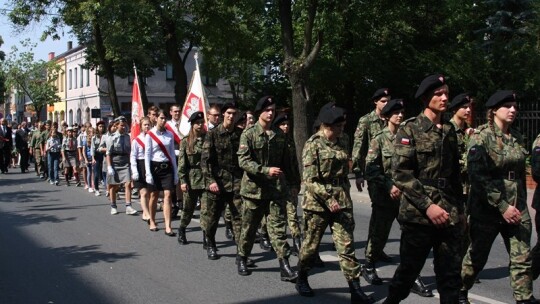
(88, 77)
(62, 78)
(75, 78)
(70, 118)
(69, 79)
(87, 114)
(169, 72)
(81, 84)
(79, 117)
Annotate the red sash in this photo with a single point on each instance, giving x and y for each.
(140, 142)
(176, 138)
(160, 144)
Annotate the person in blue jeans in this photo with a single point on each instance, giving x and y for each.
(52, 149)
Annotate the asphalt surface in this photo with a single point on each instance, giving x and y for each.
(61, 245)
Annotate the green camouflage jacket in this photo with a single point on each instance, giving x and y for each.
(379, 160)
(368, 126)
(189, 164)
(219, 160)
(258, 152)
(496, 166)
(326, 166)
(463, 139)
(294, 162)
(425, 168)
(37, 139)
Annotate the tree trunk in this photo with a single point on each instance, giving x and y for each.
(106, 65)
(299, 103)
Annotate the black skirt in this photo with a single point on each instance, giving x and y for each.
(141, 183)
(162, 174)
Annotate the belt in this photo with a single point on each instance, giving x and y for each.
(510, 175)
(440, 183)
(119, 154)
(336, 182)
(162, 165)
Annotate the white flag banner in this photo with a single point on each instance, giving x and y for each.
(195, 101)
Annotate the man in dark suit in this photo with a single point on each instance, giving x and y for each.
(6, 145)
(21, 143)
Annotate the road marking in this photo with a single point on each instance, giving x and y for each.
(472, 296)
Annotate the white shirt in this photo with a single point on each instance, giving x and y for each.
(137, 152)
(153, 153)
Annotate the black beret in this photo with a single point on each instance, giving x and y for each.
(391, 106)
(459, 100)
(380, 93)
(281, 118)
(196, 116)
(332, 116)
(429, 84)
(227, 106)
(264, 102)
(499, 97)
(240, 117)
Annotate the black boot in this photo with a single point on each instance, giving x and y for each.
(357, 295)
(228, 230)
(296, 243)
(287, 274)
(369, 272)
(204, 241)
(463, 297)
(174, 211)
(242, 267)
(182, 236)
(265, 242)
(302, 285)
(212, 250)
(249, 262)
(383, 257)
(532, 300)
(257, 236)
(420, 289)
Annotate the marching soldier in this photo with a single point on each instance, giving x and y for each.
(498, 197)
(265, 158)
(425, 167)
(327, 201)
(223, 175)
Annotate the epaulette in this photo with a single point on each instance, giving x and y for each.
(408, 120)
(480, 128)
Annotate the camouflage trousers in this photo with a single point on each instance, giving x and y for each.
(383, 213)
(314, 225)
(292, 216)
(517, 242)
(203, 213)
(416, 243)
(190, 199)
(215, 205)
(253, 213)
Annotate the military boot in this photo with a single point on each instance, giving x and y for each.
(212, 249)
(357, 294)
(302, 284)
(463, 297)
(242, 267)
(228, 230)
(265, 242)
(249, 262)
(174, 211)
(182, 236)
(318, 262)
(296, 243)
(287, 274)
(369, 272)
(257, 236)
(204, 241)
(420, 289)
(532, 300)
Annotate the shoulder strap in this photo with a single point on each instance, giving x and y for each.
(176, 137)
(140, 142)
(160, 144)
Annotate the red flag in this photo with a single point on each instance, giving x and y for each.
(136, 109)
(195, 100)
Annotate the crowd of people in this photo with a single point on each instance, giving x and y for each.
(451, 187)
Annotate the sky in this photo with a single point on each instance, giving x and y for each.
(33, 32)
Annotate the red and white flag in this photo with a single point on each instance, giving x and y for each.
(136, 109)
(195, 100)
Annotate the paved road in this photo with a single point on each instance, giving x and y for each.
(61, 245)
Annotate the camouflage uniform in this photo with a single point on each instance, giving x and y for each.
(36, 143)
(496, 166)
(424, 167)
(379, 177)
(264, 195)
(190, 173)
(220, 165)
(368, 126)
(535, 166)
(326, 166)
(292, 201)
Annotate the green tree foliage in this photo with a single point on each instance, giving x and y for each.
(2, 74)
(35, 79)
